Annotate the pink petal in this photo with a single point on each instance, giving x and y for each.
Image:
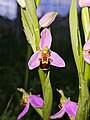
(58, 114)
(83, 3)
(36, 101)
(47, 19)
(46, 39)
(34, 60)
(24, 111)
(56, 60)
(87, 45)
(71, 108)
(86, 57)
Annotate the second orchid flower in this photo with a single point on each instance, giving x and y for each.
(66, 105)
(27, 99)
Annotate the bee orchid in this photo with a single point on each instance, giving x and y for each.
(86, 52)
(45, 57)
(27, 99)
(84, 3)
(65, 106)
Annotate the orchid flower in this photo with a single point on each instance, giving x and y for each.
(27, 99)
(47, 19)
(66, 106)
(86, 51)
(45, 57)
(84, 3)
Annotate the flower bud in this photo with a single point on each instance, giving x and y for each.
(84, 3)
(21, 3)
(47, 19)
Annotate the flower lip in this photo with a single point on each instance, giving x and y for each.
(24, 101)
(45, 60)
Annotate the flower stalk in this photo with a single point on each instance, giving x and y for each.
(84, 108)
(86, 28)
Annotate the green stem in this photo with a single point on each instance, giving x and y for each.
(71, 118)
(47, 98)
(27, 70)
(87, 73)
(86, 22)
(42, 78)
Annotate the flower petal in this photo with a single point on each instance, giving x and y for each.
(46, 39)
(56, 60)
(58, 114)
(86, 57)
(87, 45)
(83, 3)
(34, 60)
(21, 3)
(71, 108)
(36, 101)
(47, 19)
(24, 111)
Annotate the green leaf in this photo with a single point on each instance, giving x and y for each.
(71, 118)
(86, 28)
(30, 23)
(84, 98)
(83, 112)
(37, 2)
(28, 29)
(75, 36)
(39, 111)
(47, 98)
(86, 22)
(31, 8)
(87, 73)
(6, 109)
(29, 52)
(42, 78)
